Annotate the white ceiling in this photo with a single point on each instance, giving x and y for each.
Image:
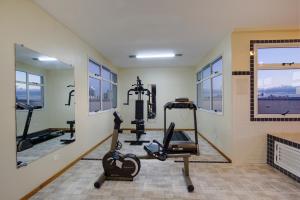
(118, 28)
(27, 56)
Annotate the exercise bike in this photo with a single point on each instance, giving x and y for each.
(124, 167)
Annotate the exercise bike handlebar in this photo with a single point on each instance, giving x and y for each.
(118, 120)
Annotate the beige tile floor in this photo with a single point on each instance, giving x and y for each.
(40, 150)
(207, 152)
(164, 180)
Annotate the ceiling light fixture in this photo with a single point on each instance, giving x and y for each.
(46, 58)
(146, 56)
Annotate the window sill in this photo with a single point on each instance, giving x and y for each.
(101, 112)
(24, 110)
(211, 112)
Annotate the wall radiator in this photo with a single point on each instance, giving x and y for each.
(287, 157)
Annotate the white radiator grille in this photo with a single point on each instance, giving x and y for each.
(287, 157)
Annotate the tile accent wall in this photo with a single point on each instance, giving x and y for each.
(270, 154)
(240, 73)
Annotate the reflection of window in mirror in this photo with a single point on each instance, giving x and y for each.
(29, 88)
(45, 105)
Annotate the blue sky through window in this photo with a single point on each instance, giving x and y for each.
(278, 55)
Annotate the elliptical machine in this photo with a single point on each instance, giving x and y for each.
(120, 167)
(139, 122)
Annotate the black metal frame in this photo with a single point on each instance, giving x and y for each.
(183, 105)
(139, 90)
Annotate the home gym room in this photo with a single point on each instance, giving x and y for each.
(160, 99)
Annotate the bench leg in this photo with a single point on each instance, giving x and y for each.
(186, 174)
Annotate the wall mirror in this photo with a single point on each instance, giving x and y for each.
(45, 117)
(151, 103)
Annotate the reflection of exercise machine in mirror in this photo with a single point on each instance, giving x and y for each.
(44, 120)
(139, 90)
(71, 123)
(27, 141)
(151, 103)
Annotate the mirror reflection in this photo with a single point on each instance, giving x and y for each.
(45, 117)
(151, 105)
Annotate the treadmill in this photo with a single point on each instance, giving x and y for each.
(27, 141)
(181, 141)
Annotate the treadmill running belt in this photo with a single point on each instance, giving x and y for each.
(180, 136)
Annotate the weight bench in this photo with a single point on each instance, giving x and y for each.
(159, 151)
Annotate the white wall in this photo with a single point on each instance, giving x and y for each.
(58, 96)
(170, 83)
(21, 21)
(250, 138)
(233, 132)
(218, 128)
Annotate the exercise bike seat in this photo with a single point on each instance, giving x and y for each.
(158, 150)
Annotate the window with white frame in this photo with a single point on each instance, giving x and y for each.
(29, 88)
(277, 80)
(210, 87)
(114, 81)
(102, 87)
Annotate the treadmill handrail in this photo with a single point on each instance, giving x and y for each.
(183, 105)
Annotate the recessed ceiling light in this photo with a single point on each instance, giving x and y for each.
(146, 56)
(46, 58)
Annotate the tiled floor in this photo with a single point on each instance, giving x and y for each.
(207, 152)
(164, 180)
(41, 149)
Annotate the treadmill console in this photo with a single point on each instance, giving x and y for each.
(182, 99)
(183, 103)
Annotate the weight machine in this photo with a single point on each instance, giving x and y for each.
(139, 122)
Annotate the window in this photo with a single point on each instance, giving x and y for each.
(277, 85)
(114, 90)
(29, 88)
(102, 88)
(204, 97)
(106, 89)
(210, 87)
(278, 55)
